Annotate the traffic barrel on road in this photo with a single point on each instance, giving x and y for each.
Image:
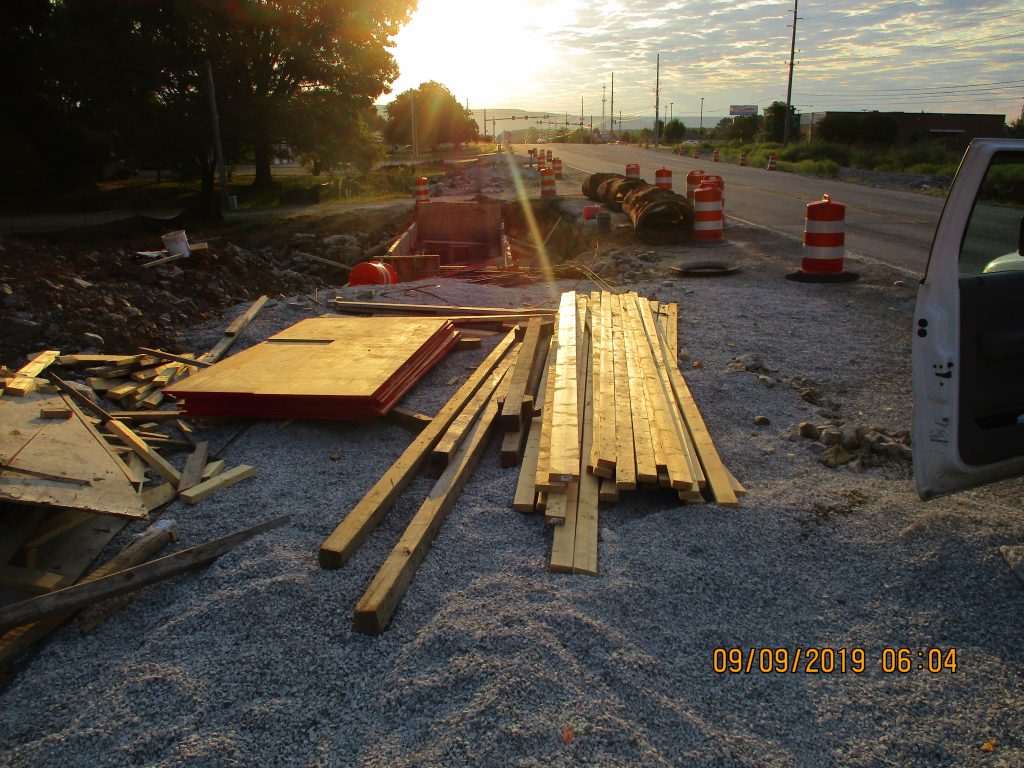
(715, 157)
(772, 159)
(693, 180)
(632, 171)
(719, 182)
(547, 182)
(550, 156)
(421, 190)
(695, 153)
(663, 178)
(556, 164)
(707, 213)
(743, 159)
(824, 244)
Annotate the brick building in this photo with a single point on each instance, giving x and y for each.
(955, 129)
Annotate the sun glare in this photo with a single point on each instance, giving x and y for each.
(491, 62)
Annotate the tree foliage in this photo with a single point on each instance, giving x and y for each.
(775, 117)
(675, 131)
(440, 117)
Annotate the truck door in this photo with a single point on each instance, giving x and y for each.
(968, 343)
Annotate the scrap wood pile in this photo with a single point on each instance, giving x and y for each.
(73, 474)
(591, 402)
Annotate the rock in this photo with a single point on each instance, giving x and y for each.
(830, 436)
(818, 448)
(808, 430)
(81, 283)
(762, 421)
(93, 340)
(835, 457)
(748, 362)
(303, 237)
(850, 437)
(766, 381)
(810, 396)
(11, 299)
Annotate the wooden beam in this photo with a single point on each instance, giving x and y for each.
(343, 305)
(413, 421)
(378, 604)
(367, 513)
(624, 467)
(564, 461)
(584, 556)
(192, 474)
(526, 490)
(24, 379)
(242, 322)
(224, 480)
(643, 430)
(78, 596)
(513, 410)
(147, 454)
(30, 580)
(174, 358)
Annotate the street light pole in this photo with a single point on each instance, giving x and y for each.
(700, 130)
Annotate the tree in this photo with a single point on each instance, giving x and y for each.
(440, 117)
(775, 121)
(744, 129)
(1015, 130)
(675, 131)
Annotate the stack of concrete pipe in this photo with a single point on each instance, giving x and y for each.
(658, 215)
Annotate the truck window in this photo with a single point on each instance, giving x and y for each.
(993, 233)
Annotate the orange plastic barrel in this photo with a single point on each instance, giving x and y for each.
(372, 273)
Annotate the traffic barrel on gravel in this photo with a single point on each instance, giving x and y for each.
(556, 165)
(663, 178)
(824, 244)
(708, 219)
(693, 180)
(772, 160)
(421, 190)
(547, 182)
(719, 182)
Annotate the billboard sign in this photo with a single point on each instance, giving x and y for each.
(742, 110)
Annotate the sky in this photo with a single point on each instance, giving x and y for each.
(549, 55)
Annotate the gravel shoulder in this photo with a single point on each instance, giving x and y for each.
(493, 660)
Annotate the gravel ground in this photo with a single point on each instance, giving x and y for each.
(492, 660)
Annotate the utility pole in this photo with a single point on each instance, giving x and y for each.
(485, 122)
(670, 105)
(602, 108)
(789, 88)
(700, 129)
(613, 107)
(217, 147)
(657, 97)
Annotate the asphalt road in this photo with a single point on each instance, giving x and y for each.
(884, 226)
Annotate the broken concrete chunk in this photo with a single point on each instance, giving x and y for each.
(808, 430)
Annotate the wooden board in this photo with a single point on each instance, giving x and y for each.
(513, 410)
(584, 557)
(625, 452)
(68, 448)
(367, 513)
(643, 429)
(564, 459)
(526, 490)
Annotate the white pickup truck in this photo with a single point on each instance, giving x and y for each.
(968, 345)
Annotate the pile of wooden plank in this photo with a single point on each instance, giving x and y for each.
(617, 415)
(321, 368)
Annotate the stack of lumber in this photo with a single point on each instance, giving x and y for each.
(495, 318)
(321, 368)
(617, 416)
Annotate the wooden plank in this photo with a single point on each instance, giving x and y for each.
(184, 360)
(408, 419)
(55, 412)
(584, 557)
(224, 480)
(343, 305)
(561, 509)
(214, 468)
(75, 361)
(16, 535)
(378, 603)
(78, 596)
(367, 513)
(147, 454)
(242, 322)
(514, 412)
(603, 457)
(670, 421)
(143, 415)
(643, 430)
(737, 486)
(57, 524)
(541, 482)
(625, 455)
(609, 492)
(458, 431)
(154, 498)
(24, 379)
(564, 460)
(192, 474)
(526, 490)
(711, 462)
(30, 580)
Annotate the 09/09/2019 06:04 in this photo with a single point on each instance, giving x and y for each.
(825, 660)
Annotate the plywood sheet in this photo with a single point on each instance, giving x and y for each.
(67, 448)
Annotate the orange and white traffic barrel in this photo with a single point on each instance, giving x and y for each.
(550, 157)
(372, 273)
(556, 164)
(547, 182)
(421, 190)
(719, 182)
(707, 214)
(663, 178)
(695, 153)
(715, 157)
(772, 159)
(632, 171)
(693, 180)
(824, 243)
(743, 159)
